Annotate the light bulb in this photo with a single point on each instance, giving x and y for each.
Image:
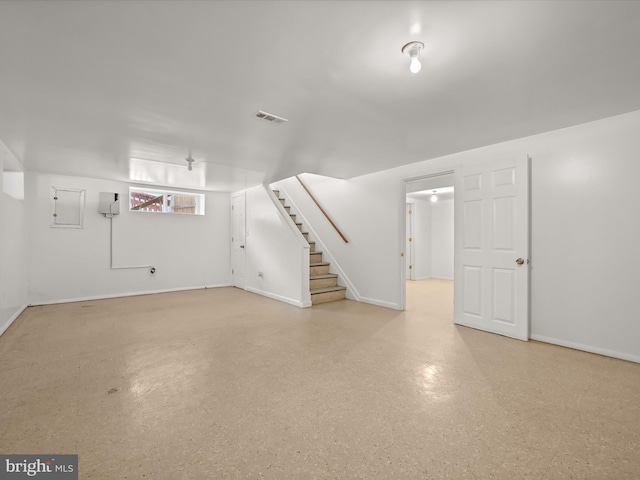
(415, 65)
(412, 50)
(434, 198)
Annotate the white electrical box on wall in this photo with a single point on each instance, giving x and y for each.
(108, 204)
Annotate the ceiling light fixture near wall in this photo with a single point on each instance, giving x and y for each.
(190, 160)
(434, 197)
(412, 50)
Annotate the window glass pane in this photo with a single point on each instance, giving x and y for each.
(144, 200)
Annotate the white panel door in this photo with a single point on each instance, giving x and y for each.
(238, 240)
(492, 247)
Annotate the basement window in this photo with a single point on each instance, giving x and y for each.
(165, 201)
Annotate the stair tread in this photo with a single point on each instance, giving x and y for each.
(317, 251)
(337, 288)
(318, 264)
(320, 277)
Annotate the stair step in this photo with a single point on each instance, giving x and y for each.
(305, 235)
(312, 247)
(281, 200)
(337, 288)
(329, 294)
(318, 268)
(315, 257)
(293, 216)
(325, 275)
(323, 281)
(287, 209)
(299, 225)
(277, 193)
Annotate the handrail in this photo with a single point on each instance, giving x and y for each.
(322, 210)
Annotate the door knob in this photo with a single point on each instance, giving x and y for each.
(520, 261)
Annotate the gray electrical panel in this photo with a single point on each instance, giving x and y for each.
(108, 204)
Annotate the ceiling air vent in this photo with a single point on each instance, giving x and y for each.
(270, 117)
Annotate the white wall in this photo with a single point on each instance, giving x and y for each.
(585, 231)
(442, 239)
(277, 249)
(432, 238)
(188, 251)
(13, 277)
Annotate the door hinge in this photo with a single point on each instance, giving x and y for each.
(410, 239)
(410, 267)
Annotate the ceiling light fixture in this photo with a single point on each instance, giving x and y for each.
(190, 160)
(434, 197)
(412, 50)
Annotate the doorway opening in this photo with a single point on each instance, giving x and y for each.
(429, 238)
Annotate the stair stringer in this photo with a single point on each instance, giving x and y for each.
(343, 280)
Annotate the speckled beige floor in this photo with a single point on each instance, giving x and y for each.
(225, 384)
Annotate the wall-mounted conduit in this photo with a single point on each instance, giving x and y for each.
(151, 268)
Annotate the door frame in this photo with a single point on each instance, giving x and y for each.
(435, 173)
(234, 196)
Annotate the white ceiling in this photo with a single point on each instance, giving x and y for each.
(120, 90)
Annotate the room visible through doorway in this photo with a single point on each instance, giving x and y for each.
(429, 236)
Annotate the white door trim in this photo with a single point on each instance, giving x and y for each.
(238, 250)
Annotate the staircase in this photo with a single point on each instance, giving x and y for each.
(323, 285)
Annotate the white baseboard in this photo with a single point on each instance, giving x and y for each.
(120, 295)
(7, 324)
(280, 298)
(587, 348)
(222, 285)
(380, 303)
